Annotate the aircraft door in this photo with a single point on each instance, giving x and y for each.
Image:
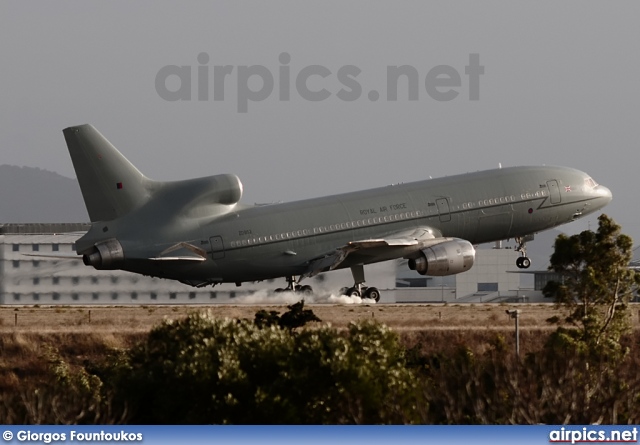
(217, 247)
(443, 209)
(554, 191)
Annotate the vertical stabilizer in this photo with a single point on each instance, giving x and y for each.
(111, 186)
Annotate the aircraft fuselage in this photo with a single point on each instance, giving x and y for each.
(250, 243)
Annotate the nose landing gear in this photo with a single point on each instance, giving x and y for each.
(522, 262)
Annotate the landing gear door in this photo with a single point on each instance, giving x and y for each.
(443, 209)
(217, 247)
(554, 191)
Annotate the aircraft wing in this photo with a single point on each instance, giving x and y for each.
(420, 237)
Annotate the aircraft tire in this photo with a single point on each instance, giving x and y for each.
(305, 290)
(526, 263)
(372, 293)
(352, 292)
(519, 262)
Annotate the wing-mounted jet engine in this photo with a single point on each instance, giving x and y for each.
(448, 258)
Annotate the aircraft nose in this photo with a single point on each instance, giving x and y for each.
(604, 195)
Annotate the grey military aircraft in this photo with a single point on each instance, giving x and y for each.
(197, 231)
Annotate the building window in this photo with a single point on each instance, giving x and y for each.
(35, 247)
(55, 280)
(541, 279)
(114, 295)
(73, 246)
(36, 296)
(16, 264)
(36, 280)
(75, 280)
(213, 294)
(154, 296)
(16, 297)
(55, 247)
(134, 295)
(16, 247)
(487, 287)
(94, 280)
(192, 295)
(114, 280)
(75, 297)
(55, 296)
(95, 295)
(36, 263)
(172, 295)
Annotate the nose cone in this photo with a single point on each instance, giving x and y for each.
(604, 196)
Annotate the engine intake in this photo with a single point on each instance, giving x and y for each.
(106, 255)
(447, 258)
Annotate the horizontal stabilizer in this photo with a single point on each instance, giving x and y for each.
(179, 258)
(182, 252)
(61, 257)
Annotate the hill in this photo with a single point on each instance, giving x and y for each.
(33, 195)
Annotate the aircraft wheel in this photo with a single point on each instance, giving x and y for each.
(519, 262)
(343, 291)
(526, 262)
(352, 292)
(305, 290)
(372, 293)
(278, 290)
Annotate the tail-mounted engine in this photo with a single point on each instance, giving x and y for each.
(447, 258)
(106, 255)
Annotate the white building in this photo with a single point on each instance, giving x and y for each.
(31, 274)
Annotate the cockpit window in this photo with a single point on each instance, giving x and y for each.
(590, 183)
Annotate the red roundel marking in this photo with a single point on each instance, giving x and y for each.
(530, 211)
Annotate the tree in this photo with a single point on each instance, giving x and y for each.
(596, 286)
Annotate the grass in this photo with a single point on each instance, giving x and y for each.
(78, 337)
(430, 329)
(137, 319)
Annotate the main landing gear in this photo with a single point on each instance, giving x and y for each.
(293, 287)
(523, 262)
(358, 290)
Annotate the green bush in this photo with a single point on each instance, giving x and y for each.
(202, 370)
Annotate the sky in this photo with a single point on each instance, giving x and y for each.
(307, 109)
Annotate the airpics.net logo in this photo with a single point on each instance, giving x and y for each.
(314, 83)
